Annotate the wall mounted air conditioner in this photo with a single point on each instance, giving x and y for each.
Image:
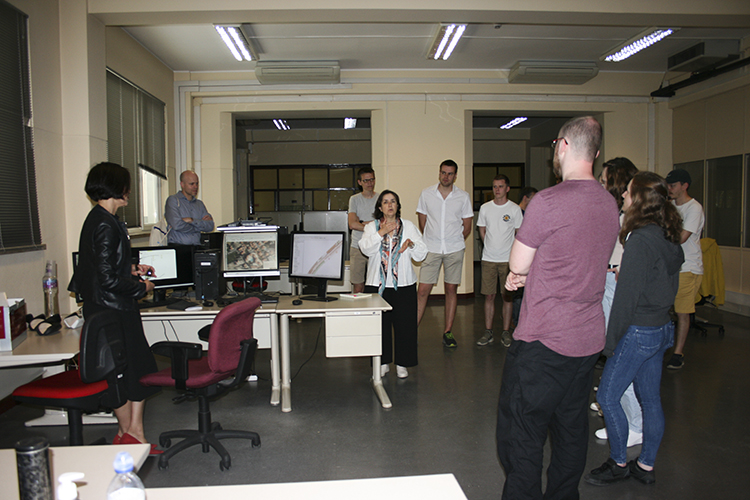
(704, 54)
(553, 72)
(297, 72)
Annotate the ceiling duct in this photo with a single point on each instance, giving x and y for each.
(703, 55)
(297, 72)
(553, 72)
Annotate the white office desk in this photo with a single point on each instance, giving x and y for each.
(94, 461)
(43, 350)
(161, 324)
(434, 487)
(353, 328)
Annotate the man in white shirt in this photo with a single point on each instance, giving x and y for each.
(498, 221)
(445, 216)
(691, 273)
(361, 208)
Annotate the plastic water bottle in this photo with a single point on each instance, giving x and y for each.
(126, 485)
(49, 285)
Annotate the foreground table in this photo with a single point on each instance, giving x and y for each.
(434, 487)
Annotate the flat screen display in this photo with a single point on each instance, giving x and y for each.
(251, 253)
(173, 265)
(317, 255)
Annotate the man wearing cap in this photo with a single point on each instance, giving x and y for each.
(691, 273)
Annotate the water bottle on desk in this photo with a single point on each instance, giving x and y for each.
(49, 285)
(126, 485)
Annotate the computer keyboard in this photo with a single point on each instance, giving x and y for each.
(148, 304)
(265, 299)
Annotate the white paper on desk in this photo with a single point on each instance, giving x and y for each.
(194, 308)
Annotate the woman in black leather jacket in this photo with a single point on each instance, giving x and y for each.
(107, 280)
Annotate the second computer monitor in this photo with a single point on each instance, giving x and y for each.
(318, 255)
(251, 252)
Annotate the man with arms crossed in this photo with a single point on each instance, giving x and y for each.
(498, 221)
(361, 208)
(186, 213)
(691, 273)
(560, 255)
(445, 216)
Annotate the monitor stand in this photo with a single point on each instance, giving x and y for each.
(321, 296)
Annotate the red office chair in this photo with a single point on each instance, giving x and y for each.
(94, 385)
(231, 353)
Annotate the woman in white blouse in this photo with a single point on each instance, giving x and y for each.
(391, 244)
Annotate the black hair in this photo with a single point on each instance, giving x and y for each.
(527, 191)
(502, 177)
(450, 163)
(378, 213)
(362, 171)
(107, 180)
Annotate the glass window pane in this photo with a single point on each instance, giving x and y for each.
(724, 201)
(263, 201)
(514, 173)
(342, 177)
(151, 207)
(316, 178)
(264, 178)
(320, 200)
(695, 169)
(290, 178)
(483, 175)
(340, 199)
(290, 200)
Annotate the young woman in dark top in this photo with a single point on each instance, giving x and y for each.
(640, 329)
(107, 280)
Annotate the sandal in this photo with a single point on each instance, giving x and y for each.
(49, 326)
(128, 439)
(33, 321)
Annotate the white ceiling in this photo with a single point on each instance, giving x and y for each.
(379, 46)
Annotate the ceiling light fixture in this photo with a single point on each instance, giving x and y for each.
(514, 122)
(445, 41)
(637, 44)
(281, 124)
(350, 123)
(236, 42)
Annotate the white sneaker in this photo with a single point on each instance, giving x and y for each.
(401, 372)
(384, 369)
(595, 407)
(634, 438)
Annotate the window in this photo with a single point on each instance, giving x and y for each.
(724, 200)
(308, 188)
(136, 140)
(19, 211)
(485, 172)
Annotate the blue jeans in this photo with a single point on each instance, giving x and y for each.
(637, 359)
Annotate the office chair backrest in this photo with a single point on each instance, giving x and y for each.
(102, 347)
(232, 325)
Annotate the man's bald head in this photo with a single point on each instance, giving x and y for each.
(189, 184)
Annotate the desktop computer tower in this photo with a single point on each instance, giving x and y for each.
(206, 275)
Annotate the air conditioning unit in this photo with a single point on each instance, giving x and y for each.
(553, 72)
(704, 54)
(297, 72)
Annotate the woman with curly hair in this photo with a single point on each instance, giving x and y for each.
(640, 329)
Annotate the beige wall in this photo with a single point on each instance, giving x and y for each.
(713, 123)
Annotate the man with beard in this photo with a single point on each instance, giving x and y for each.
(560, 255)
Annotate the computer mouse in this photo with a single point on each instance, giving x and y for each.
(296, 302)
(207, 303)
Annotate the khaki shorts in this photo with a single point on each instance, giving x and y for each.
(453, 265)
(357, 266)
(684, 302)
(492, 273)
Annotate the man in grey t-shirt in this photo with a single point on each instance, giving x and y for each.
(361, 207)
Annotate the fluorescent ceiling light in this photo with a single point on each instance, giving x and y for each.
(445, 41)
(637, 44)
(236, 42)
(514, 122)
(350, 123)
(281, 124)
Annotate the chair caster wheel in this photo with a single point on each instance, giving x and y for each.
(256, 443)
(163, 464)
(225, 464)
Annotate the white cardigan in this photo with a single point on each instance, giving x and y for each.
(370, 244)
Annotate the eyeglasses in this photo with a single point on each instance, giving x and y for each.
(554, 143)
(367, 181)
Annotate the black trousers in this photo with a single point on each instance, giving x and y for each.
(543, 391)
(399, 325)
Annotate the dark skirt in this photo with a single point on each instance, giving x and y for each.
(140, 359)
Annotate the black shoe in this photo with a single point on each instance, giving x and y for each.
(608, 473)
(676, 362)
(448, 340)
(642, 475)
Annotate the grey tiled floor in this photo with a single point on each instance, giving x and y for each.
(443, 418)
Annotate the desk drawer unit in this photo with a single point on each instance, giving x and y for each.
(353, 334)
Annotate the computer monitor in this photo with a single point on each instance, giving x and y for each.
(318, 255)
(173, 266)
(251, 252)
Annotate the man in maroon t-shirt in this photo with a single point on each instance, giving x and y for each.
(560, 255)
